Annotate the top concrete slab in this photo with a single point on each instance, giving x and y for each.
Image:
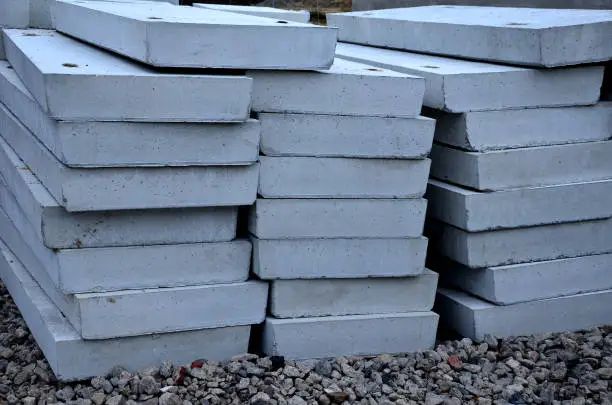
(456, 85)
(301, 16)
(362, 5)
(347, 88)
(74, 81)
(208, 38)
(125, 144)
(521, 36)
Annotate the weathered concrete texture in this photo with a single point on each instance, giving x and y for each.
(481, 211)
(79, 189)
(311, 177)
(72, 358)
(456, 85)
(474, 318)
(338, 297)
(124, 144)
(57, 228)
(347, 88)
(307, 338)
(332, 218)
(301, 16)
(209, 38)
(520, 36)
(113, 314)
(506, 285)
(338, 258)
(525, 167)
(110, 269)
(505, 129)
(106, 87)
(15, 14)
(322, 135)
(40, 14)
(521, 245)
(362, 5)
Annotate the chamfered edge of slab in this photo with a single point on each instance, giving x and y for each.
(307, 259)
(72, 358)
(301, 16)
(507, 285)
(311, 46)
(333, 336)
(340, 297)
(475, 318)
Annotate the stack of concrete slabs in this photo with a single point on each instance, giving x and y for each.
(300, 16)
(515, 36)
(456, 85)
(209, 38)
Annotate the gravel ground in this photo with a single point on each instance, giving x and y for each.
(569, 368)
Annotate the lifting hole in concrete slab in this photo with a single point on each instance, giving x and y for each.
(374, 69)
(516, 24)
(70, 65)
(30, 34)
(282, 22)
(430, 67)
(155, 18)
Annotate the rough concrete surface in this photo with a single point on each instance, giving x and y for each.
(519, 36)
(15, 14)
(525, 167)
(321, 135)
(58, 228)
(124, 144)
(149, 32)
(362, 5)
(476, 211)
(338, 258)
(333, 218)
(309, 177)
(339, 297)
(521, 245)
(301, 16)
(482, 131)
(347, 88)
(85, 189)
(505, 285)
(72, 358)
(109, 269)
(457, 85)
(106, 87)
(474, 318)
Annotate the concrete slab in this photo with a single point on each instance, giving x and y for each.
(40, 14)
(505, 285)
(85, 189)
(15, 14)
(72, 358)
(106, 87)
(507, 129)
(110, 269)
(474, 318)
(339, 297)
(525, 167)
(309, 177)
(521, 245)
(209, 38)
(456, 85)
(475, 211)
(322, 135)
(342, 258)
(57, 228)
(301, 16)
(347, 88)
(330, 218)
(361, 5)
(125, 144)
(516, 36)
(355, 335)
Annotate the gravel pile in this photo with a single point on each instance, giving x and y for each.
(569, 368)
